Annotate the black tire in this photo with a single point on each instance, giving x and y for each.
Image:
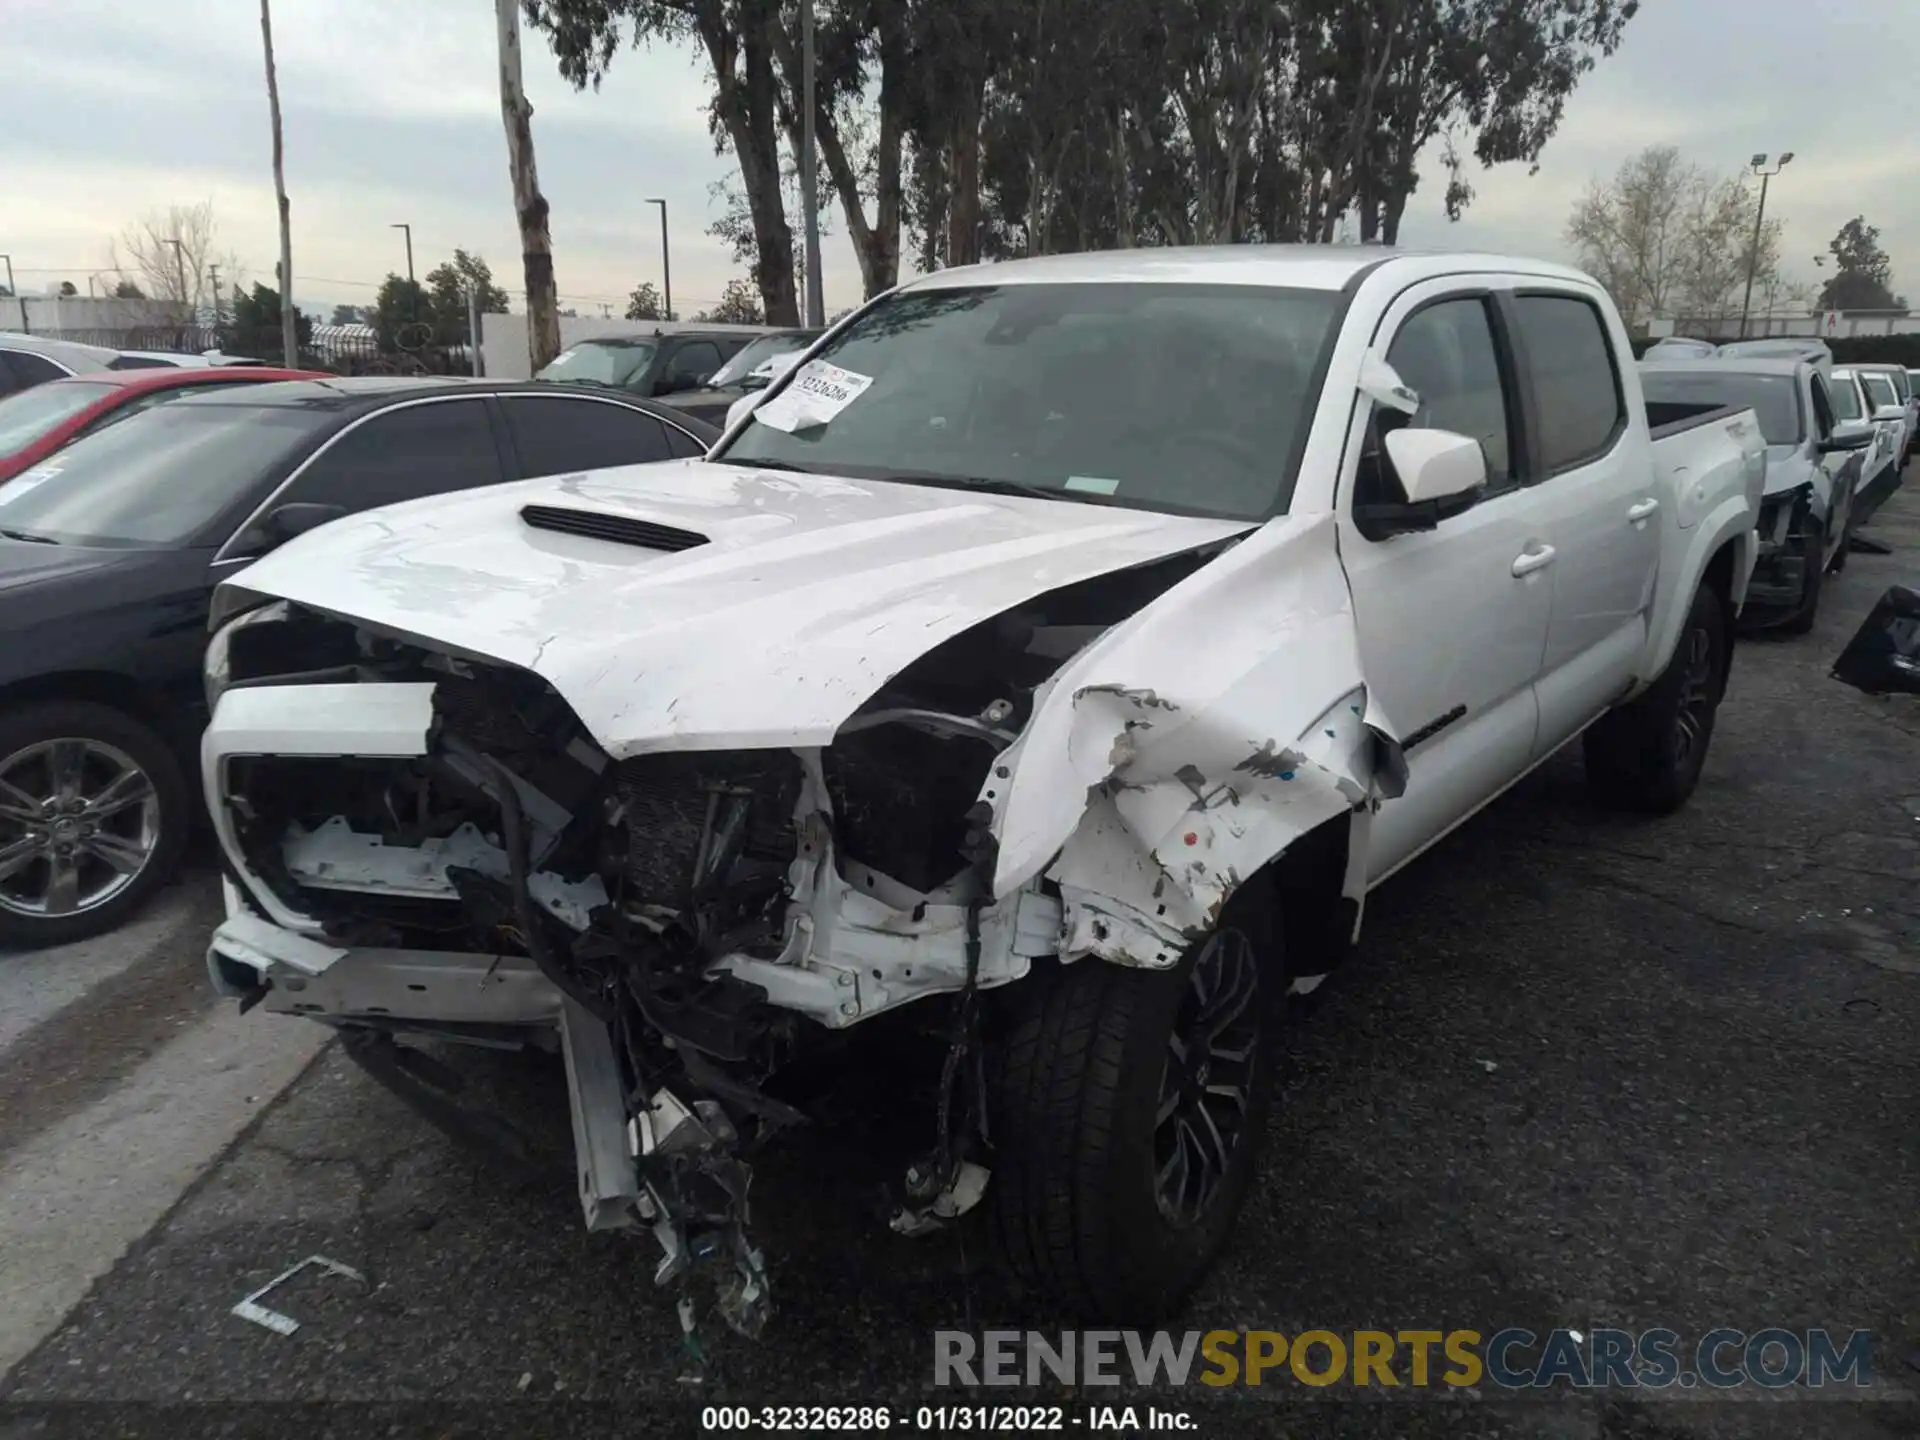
(159, 829)
(1800, 622)
(1076, 1096)
(1648, 754)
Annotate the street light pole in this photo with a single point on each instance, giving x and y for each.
(666, 261)
(413, 290)
(809, 188)
(1759, 219)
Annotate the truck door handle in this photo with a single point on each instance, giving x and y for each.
(1529, 561)
(1637, 513)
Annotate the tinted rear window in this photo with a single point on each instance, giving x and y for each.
(1879, 390)
(1574, 380)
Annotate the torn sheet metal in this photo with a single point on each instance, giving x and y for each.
(1193, 743)
(251, 1308)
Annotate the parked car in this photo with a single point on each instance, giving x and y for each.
(1813, 469)
(753, 367)
(1782, 347)
(35, 423)
(110, 549)
(1679, 347)
(653, 365)
(153, 359)
(1051, 663)
(1902, 384)
(29, 360)
(1879, 405)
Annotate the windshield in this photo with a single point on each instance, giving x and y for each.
(1901, 386)
(27, 416)
(159, 478)
(754, 355)
(1879, 390)
(1184, 398)
(600, 362)
(1774, 398)
(1846, 398)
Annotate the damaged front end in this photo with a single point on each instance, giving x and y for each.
(430, 845)
(1792, 535)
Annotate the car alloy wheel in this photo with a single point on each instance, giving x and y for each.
(79, 823)
(1207, 1084)
(1695, 711)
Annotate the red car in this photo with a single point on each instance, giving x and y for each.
(35, 423)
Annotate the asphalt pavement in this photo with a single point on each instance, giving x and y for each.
(1586, 1069)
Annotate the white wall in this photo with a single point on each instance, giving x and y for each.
(503, 338)
(41, 313)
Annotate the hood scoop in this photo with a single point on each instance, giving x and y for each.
(620, 529)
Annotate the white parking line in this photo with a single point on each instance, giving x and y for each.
(74, 1198)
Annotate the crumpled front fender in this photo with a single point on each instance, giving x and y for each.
(1192, 744)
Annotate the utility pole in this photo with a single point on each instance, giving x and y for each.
(666, 262)
(213, 283)
(809, 197)
(14, 291)
(1759, 218)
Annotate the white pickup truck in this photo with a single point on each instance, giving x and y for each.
(1048, 666)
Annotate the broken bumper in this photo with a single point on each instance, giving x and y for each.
(1790, 538)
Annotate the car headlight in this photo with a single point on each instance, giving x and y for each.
(218, 670)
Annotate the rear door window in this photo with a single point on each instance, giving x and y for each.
(1576, 383)
(404, 454)
(561, 434)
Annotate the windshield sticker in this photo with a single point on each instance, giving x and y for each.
(1092, 484)
(816, 394)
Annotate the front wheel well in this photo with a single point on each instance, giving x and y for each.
(97, 687)
(1302, 892)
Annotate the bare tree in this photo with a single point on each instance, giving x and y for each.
(289, 317)
(1668, 238)
(530, 206)
(167, 254)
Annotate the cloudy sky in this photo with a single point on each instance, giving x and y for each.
(116, 107)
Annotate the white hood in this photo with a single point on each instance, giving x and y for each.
(812, 592)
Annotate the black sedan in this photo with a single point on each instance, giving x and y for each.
(109, 552)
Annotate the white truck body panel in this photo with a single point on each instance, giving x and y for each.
(1303, 674)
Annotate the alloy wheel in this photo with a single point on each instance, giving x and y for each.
(1206, 1087)
(1695, 711)
(79, 823)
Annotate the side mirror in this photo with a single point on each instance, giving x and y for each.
(1883, 658)
(1438, 473)
(297, 518)
(1851, 435)
(1436, 464)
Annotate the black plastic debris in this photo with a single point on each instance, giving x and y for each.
(1883, 658)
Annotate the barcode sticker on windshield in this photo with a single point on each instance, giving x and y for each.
(817, 393)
